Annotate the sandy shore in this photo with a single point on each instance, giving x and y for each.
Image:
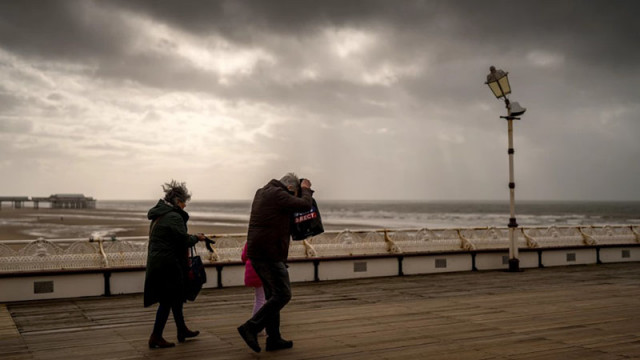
(28, 223)
(32, 224)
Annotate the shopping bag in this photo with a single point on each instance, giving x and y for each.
(306, 224)
(196, 276)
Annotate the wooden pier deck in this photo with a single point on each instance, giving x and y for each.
(578, 312)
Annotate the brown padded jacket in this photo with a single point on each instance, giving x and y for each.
(268, 236)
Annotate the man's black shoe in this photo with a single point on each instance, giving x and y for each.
(278, 344)
(250, 338)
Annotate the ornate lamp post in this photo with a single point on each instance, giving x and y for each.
(498, 82)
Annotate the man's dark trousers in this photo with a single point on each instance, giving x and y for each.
(277, 291)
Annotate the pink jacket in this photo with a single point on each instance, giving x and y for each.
(250, 277)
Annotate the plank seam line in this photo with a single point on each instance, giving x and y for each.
(79, 329)
(7, 325)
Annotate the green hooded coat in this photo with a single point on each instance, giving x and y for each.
(169, 242)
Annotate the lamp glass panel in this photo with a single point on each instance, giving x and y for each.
(496, 89)
(504, 83)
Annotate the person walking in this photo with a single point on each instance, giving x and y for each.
(251, 279)
(268, 240)
(167, 267)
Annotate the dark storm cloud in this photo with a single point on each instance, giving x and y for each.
(593, 31)
(67, 30)
(600, 34)
(242, 20)
(595, 38)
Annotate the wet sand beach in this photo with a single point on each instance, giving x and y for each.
(31, 224)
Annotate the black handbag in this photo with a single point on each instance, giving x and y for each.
(196, 276)
(306, 224)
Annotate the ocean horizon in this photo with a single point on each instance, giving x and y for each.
(420, 214)
(122, 216)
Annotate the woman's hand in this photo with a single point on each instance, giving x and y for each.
(200, 236)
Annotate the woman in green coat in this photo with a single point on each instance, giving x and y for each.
(167, 262)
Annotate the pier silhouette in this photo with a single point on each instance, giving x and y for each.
(56, 201)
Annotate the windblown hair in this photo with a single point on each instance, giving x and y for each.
(174, 191)
(290, 179)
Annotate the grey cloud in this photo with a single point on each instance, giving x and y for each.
(597, 29)
(8, 102)
(57, 28)
(15, 126)
(242, 20)
(345, 98)
(461, 28)
(444, 136)
(591, 32)
(55, 97)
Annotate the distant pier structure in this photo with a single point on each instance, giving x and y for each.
(18, 201)
(57, 201)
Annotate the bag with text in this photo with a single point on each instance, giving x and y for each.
(306, 224)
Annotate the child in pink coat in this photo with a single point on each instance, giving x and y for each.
(253, 280)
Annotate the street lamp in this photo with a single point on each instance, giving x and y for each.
(498, 82)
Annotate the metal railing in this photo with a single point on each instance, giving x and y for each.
(104, 265)
(103, 251)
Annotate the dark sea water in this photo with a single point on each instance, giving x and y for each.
(404, 214)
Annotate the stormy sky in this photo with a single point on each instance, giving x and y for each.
(371, 100)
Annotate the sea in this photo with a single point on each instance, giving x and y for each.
(422, 214)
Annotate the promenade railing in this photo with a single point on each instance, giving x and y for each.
(103, 251)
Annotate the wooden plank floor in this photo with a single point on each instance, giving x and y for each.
(579, 312)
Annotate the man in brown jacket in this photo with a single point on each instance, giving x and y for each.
(268, 248)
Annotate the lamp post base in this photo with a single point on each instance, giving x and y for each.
(514, 265)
